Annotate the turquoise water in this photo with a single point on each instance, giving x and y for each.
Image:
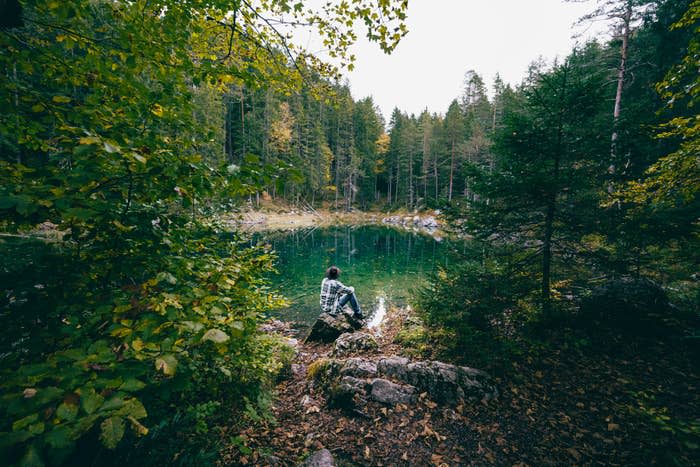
(381, 263)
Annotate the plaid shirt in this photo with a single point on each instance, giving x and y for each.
(331, 290)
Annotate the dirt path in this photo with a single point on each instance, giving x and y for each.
(421, 434)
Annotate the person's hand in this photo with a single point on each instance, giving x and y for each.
(352, 289)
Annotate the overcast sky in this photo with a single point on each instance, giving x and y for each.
(448, 37)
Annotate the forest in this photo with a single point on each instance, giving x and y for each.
(135, 315)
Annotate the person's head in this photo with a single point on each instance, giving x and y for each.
(332, 272)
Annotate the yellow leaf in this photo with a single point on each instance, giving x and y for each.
(121, 332)
(121, 226)
(61, 99)
(157, 110)
(89, 140)
(137, 345)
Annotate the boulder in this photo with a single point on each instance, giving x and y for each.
(349, 343)
(386, 392)
(445, 383)
(350, 392)
(328, 328)
(393, 367)
(397, 380)
(347, 392)
(358, 368)
(322, 458)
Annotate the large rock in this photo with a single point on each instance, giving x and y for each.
(386, 392)
(328, 328)
(349, 343)
(358, 368)
(351, 392)
(445, 383)
(397, 380)
(322, 458)
(348, 392)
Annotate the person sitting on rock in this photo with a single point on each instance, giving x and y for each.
(335, 295)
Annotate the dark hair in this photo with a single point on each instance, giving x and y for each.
(332, 272)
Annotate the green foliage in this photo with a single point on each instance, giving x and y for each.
(141, 316)
(481, 300)
(671, 184)
(546, 209)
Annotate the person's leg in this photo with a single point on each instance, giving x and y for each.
(350, 297)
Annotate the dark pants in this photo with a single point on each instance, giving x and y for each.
(350, 297)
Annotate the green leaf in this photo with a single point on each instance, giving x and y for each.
(67, 411)
(47, 394)
(112, 431)
(113, 404)
(24, 422)
(133, 408)
(37, 428)
(91, 401)
(132, 385)
(167, 364)
(215, 335)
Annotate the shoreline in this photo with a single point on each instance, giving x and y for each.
(427, 222)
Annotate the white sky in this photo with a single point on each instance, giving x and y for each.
(448, 37)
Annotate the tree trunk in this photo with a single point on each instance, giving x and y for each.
(620, 84)
(388, 191)
(452, 168)
(435, 173)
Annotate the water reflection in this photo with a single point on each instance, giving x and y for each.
(383, 265)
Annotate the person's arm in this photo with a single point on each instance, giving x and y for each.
(344, 289)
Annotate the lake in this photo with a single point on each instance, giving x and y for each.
(383, 265)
